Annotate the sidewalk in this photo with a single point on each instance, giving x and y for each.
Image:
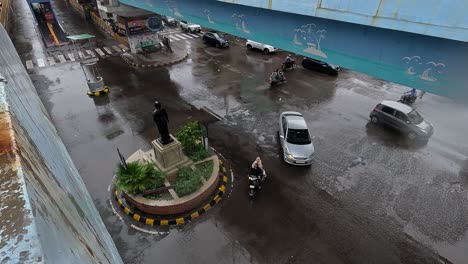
(156, 59)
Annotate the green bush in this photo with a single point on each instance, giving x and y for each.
(200, 154)
(139, 178)
(186, 182)
(190, 137)
(205, 168)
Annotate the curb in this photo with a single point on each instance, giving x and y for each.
(99, 93)
(180, 220)
(136, 65)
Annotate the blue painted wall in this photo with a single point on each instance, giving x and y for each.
(423, 62)
(438, 18)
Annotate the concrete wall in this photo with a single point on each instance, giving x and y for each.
(438, 18)
(46, 213)
(427, 63)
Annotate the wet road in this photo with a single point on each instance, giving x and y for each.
(369, 197)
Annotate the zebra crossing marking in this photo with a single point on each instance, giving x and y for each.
(51, 60)
(122, 46)
(90, 53)
(62, 58)
(187, 35)
(81, 54)
(99, 51)
(108, 50)
(193, 35)
(29, 64)
(71, 56)
(173, 37)
(116, 48)
(40, 62)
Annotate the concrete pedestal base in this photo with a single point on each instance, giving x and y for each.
(170, 156)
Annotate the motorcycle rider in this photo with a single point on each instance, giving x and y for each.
(288, 61)
(412, 93)
(257, 170)
(276, 76)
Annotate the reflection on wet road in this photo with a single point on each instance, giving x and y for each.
(369, 197)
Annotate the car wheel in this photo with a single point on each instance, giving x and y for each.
(411, 136)
(266, 51)
(217, 45)
(249, 46)
(374, 120)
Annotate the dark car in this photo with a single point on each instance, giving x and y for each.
(216, 39)
(402, 118)
(320, 66)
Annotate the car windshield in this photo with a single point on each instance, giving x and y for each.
(415, 117)
(298, 136)
(218, 35)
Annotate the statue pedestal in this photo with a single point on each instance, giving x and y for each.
(170, 156)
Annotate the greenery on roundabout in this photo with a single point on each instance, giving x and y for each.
(140, 177)
(189, 180)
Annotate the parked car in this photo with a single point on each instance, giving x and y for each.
(320, 66)
(250, 44)
(169, 20)
(216, 39)
(403, 118)
(187, 26)
(295, 139)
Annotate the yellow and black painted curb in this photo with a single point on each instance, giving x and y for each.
(99, 93)
(180, 220)
(136, 65)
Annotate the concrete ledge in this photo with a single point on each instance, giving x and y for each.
(180, 220)
(178, 205)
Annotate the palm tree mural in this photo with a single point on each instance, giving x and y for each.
(312, 36)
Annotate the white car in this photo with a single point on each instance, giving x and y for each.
(295, 139)
(250, 44)
(190, 27)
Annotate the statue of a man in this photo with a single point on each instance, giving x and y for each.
(161, 119)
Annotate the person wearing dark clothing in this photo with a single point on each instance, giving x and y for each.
(161, 119)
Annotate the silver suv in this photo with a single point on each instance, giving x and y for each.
(403, 118)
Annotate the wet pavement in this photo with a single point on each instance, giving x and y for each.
(369, 197)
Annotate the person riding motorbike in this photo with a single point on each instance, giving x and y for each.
(412, 93)
(257, 170)
(288, 62)
(276, 76)
(409, 97)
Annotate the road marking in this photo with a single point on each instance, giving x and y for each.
(173, 37)
(99, 51)
(40, 62)
(90, 53)
(187, 35)
(107, 50)
(29, 64)
(51, 60)
(122, 46)
(71, 56)
(181, 36)
(81, 54)
(193, 35)
(62, 58)
(116, 48)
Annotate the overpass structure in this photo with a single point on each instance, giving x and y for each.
(419, 43)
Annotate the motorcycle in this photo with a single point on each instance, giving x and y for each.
(407, 99)
(278, 80)
(288, 66)
(254, 183)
